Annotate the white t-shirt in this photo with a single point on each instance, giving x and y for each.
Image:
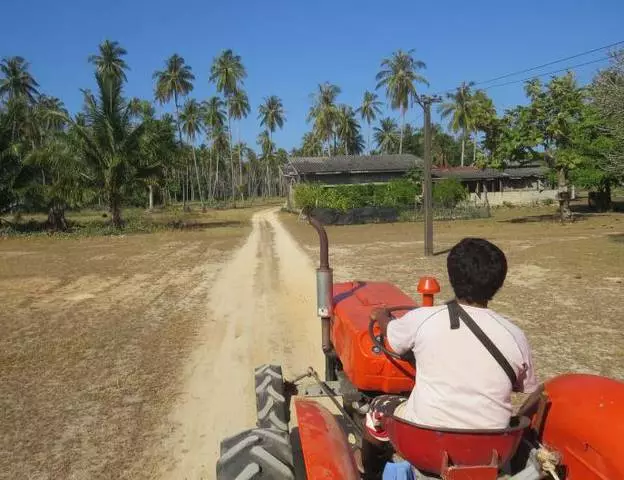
(459, 384)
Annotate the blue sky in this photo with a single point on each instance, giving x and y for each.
(289, 46)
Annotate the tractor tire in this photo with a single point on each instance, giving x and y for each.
(272, 403)
(258, 454)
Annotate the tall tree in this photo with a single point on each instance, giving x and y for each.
(109, 61)
(459, 109)
(348, 131)
(267, 148)
(228, 74)
(109, 142)
(191, 122)
(238, 108)
(368, 110)
(399, 75)
(387, 135)
(323, 113)
(175, 81)
(214, 121)
(271, 115)
(16, 81)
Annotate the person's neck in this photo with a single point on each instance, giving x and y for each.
(463, 301)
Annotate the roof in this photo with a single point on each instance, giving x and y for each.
(350, 164)
(473, 173)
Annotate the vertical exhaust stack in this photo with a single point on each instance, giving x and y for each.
(324, 286)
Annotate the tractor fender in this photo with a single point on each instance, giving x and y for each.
(585, 423)
(326, 451)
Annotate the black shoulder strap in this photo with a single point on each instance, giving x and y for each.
(456, 312)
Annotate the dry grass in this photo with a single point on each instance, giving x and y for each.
(94, 333)
(565, 286)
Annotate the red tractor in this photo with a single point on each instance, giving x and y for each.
(574, 430)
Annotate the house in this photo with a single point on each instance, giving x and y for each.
(517, 184)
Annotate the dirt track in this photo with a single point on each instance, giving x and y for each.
(262, 309)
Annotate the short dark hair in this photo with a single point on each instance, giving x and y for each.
(476, 269)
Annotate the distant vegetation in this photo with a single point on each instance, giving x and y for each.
(118, 152)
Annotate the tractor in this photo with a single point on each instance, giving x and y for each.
(572, 429)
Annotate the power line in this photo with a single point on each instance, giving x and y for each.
(507, 75)
(547, 73)
(538, 67)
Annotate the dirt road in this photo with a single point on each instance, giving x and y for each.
(262, 309)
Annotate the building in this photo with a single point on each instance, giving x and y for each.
(516, 185)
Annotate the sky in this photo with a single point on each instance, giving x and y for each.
(290, 46)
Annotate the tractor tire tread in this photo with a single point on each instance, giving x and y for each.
(272, 404)
(256, 454)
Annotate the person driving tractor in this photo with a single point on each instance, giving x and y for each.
(469, 358)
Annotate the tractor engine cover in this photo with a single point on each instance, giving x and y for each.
(364, 366)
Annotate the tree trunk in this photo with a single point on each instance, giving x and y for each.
(463, 148)
(199, 189)
(177, 109)
(369, 137)
(56, 218)
(474, 149)
(115, 209)
(564, 194)
(231, 155)
(402, 129)
(150, 189)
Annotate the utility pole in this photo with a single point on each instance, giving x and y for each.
(426, 101)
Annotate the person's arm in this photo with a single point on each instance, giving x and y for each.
(383, 319)
(399, 332)
(527, 380)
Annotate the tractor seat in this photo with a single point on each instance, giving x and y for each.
(429, 449)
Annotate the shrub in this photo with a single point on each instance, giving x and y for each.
(449, 192)
(397, 193)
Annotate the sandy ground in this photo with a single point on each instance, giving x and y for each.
(261, 310)
(131, 357)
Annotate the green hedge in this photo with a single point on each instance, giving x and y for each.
(402, 193)
(397, 193)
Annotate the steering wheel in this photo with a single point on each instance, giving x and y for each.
(378, 340)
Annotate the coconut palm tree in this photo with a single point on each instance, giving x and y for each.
(191, 122)
(267, 148)
(110, 60)
(109, 142)
(271, 114)
(483, 113)
(214, 117)
(348, 130)
(387, 135)
(323, 113)
(399, 75)
(174, 81)
(228, 74)
(238, 108)
(459, 109)
(368, 110)
(16, 81)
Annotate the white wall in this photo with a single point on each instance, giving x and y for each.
(516, 197)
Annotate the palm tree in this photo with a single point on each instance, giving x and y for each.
(370, 108)
(483, 115)
(348, 130)
(323, 112)
(311, 145)
(109, 142)
(228, 74)
(399, 75)
(214, 120)
(174, 81)
(238, 108)
(191, 122)
(267, 148)
(17, 83)
(459, 108)
(110, 60)
(271, 115)
(387, 135)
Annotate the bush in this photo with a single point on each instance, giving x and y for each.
(449, 192)
(397, 193)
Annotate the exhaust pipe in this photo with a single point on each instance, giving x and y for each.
(324, 286)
